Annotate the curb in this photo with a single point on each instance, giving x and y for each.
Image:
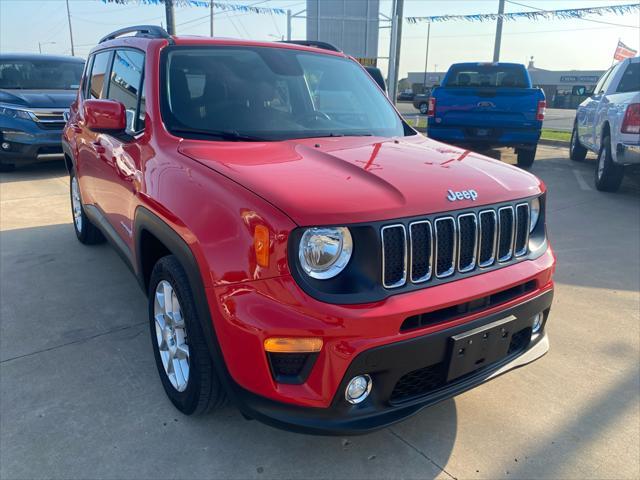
(553, 143)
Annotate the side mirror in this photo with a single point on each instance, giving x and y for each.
(376, 74)
(105, 116)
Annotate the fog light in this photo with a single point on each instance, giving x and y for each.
(6, 145)
(537, 323)
(358, 389)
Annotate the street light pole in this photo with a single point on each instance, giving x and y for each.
(496, 47)
(73, 53)
(40, 44)
(171, 23)
(394, 48)
(211, 18)
(426, 59)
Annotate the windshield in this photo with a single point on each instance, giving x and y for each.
(272, 94)
(40, 74)
(480, 75)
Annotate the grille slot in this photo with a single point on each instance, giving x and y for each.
(421, 239)
(445, 246)
(467, 242)
(522, 229)
(488, 237)
(506, 233)
(394, 256)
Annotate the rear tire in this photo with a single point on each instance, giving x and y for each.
(577, 152)
(608, 175)
(86, 232)
(424, 108)
(182, 356)
(526, 156)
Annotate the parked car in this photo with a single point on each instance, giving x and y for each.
(608, 124)
(486, 105)
(421, 102)
(35, 94)
(406, 96)
(304, 251)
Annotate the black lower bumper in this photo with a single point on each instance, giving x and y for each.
(407, 376)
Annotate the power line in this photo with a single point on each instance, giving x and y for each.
(577, 18)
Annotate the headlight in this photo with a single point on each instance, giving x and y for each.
(14, 113)
(535, 213)
(325, 252)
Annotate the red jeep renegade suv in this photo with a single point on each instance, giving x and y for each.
(305, 252)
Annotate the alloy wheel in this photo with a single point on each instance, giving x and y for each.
(171, 335)
(76, 204)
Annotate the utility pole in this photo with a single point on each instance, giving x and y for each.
(394, 48)
(211, 18)
(171, 23)
(496, 48)
(288, 25)
(426, 59)
(73, 53)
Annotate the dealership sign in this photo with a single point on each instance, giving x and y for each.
(579, 78)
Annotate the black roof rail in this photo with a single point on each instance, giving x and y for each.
(313, 43)
(147, 31)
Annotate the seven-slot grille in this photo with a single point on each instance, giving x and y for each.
(453, 243)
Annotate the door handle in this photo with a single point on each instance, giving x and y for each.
(98, 147)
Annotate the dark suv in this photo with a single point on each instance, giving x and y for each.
(35, 94)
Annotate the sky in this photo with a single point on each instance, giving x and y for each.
(554, 44)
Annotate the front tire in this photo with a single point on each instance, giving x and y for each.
(526, 156)
(577, 152)
(86, 232)
(608, 175)
(180, 350)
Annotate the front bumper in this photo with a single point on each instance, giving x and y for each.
(388, 365)
(247, 313)
(628, 154)
(32, 145)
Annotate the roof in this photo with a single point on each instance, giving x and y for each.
(38, 56)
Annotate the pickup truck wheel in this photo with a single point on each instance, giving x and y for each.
(424, 108)
(86, 231)
(526, 156)
(577, 152)
(181, 353)
(608, 175)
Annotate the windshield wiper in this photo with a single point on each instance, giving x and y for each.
(231, 135)
(339, 134)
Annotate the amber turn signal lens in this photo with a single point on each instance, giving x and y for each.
(292, 345)
(261, 245)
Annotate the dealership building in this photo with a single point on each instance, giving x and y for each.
(561, 87)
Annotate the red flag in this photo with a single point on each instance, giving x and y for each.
(622, 52)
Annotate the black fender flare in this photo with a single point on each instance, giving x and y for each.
(66, 150)
(146, 220)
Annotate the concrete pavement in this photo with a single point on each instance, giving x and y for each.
(80, 395)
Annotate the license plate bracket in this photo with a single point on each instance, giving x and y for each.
(479, 347)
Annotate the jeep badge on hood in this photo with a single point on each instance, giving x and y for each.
(462, 195)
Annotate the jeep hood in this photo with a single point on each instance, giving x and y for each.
(38, 98)
(342, 180)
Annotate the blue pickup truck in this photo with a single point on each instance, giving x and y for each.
(486, 105)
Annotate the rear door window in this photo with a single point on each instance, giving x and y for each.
(97, 85)
(125, 84)
(489, 75)
(630, 81)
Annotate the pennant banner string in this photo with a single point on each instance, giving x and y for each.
(227, 7)
(566, 14)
